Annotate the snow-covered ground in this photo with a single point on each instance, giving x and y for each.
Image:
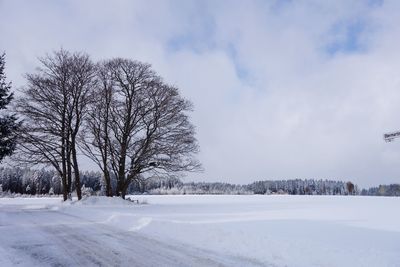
(247, 230)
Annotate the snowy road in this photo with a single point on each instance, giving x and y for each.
(42, 237)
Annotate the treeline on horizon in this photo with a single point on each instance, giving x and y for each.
(47, 182)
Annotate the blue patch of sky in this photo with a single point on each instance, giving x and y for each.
(180, 42)
(196, 41)
(279, 5)
(201, 39)
(199, 36)
(348, 39)
(351, 34)
(191, 42)
(241, 71)
(375, 3)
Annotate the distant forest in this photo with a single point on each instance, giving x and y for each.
(47, 182)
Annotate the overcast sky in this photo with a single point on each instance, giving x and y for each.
(281, 89)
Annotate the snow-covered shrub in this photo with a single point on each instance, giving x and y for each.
(86, 191)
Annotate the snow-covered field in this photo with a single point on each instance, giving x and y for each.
(248, 230)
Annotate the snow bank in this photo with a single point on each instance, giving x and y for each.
(102, 201)
(282, 230)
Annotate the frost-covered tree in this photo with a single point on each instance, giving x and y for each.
(28, 189)
(86, 191)
(8, 122)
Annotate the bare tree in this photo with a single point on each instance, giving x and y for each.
(53, 105)
(83, 82)
(145, 130)
(95, 139)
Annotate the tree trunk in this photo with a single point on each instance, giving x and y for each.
(120, 187)
(63, 174)
(64, 185)
(76, 170)
(69, 172)
(124, 189)
(107, 180)
(121, 172)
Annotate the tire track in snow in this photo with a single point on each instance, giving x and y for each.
(54, 238)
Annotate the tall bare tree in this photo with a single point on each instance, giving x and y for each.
(95, 139)
(53, 105)
(145, 130)
(83, 82)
